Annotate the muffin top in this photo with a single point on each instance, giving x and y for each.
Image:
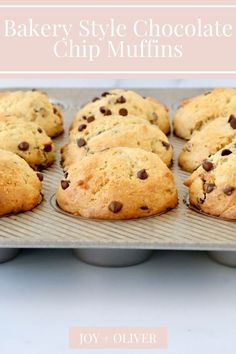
(197, 111)
(119, 131)
(124, 103)
(118, 183)
(20, 186)
(33, 106)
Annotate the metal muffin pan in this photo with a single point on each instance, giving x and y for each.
(178, 229)
(61, 104)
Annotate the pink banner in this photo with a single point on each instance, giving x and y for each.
(117, 41)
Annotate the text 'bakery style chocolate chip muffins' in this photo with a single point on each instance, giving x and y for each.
(116, 159)
(20, 186)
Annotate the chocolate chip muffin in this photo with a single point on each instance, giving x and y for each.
(197, 111)
(118, 183)
(20, 186)
(33, 106)
(98, 126)
(212, 187)
(123, 103)
(27, 140)
(116, 132)
(206, 142)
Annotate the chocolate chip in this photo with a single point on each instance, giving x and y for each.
(65, 184)
(81, 142)
(142, 174)
(84, 117)
(108, 112)
(95, 99)
(102, 109)
(121, 99)
(66, 174)
(23, 146)
(82, 127)
(40, 130)
(90, 119)
(201, 200)
(226, 152)
(207, 93)
(105, 111)
(210, 187)
(40, 167)
(40, 176)
(228, 190)
(115, 207)
(207, 165)
(48, 147)
(231, 117)
(232, 121)
(123, 112)
(144, 207)
(55, 110)
(104, 94)
(166, 145)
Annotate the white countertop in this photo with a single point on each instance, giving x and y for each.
(45, 292)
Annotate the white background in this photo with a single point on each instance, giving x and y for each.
(4, 83)
(44, 292)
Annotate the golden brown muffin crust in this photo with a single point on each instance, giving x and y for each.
(119, 183)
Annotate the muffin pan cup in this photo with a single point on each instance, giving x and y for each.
(7, 254)
(227, 258)
(112, 257)
(116, 243)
